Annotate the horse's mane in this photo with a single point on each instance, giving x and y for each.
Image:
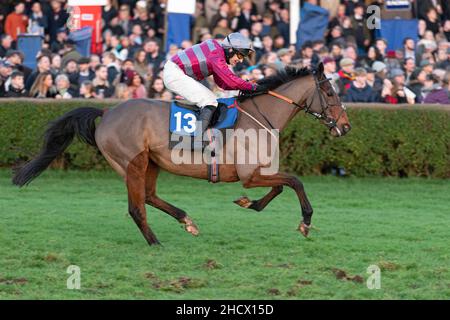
(269, 83)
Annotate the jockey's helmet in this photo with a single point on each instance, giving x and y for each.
(237, 43)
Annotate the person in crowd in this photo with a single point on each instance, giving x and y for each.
(359, 90)
(16, 59)
(122, 92)
(329, 69)
(156, 88)
(85, 73)
(110, 61)
(43, 65)
(5, 44)
(38, 21)
(136, 85)
(436, 92)
(346, 75)
(416, 84)
(87, 90)
(43, 86)
(55, 64)
(102, 87)
(6, 70)
(16, 88)
(63, 87)
(16, 22)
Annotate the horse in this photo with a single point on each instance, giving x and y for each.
(132, 137)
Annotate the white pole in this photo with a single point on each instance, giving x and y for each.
(294, 18)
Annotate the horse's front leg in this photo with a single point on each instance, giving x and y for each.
(281, 179)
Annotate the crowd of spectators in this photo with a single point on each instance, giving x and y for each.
(360, 66)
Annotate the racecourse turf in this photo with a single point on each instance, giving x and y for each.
(80, 218)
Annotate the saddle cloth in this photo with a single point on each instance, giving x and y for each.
(183, 117)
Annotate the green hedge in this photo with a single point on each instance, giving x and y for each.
(385, 140)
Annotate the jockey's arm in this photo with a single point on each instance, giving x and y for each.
(226, 79)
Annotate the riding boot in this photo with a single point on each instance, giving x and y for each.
(204, 118)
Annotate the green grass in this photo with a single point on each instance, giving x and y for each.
(80, 218)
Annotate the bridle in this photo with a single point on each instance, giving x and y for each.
(329, 122)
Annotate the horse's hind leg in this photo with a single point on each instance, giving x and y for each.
(260, 204)
(135, 180)
(152, 199)
(281, 179)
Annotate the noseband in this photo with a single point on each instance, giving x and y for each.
(324, 106)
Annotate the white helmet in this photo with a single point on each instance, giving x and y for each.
(239, 43)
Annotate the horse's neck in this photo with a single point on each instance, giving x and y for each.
(277, 111)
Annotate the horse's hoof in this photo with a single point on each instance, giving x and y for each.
(192, 229)
(304, 229)
(243, 202)
(190, 226)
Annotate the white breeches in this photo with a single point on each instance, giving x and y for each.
(178, 82)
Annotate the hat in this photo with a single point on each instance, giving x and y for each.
(390, 54)
(70, 60)
(11, 53)
(397, 72)
(425, 63)
(129, 76)
(378, 66)
(84, 60)
(328, 60)
(346, 62)
(282, 52)
(360, 72)
(6, 64)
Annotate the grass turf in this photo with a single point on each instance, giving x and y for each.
(80, 218)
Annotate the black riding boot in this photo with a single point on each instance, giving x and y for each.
(204, 118)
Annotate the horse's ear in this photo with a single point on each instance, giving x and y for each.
(320, 68)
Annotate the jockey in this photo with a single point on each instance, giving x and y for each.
(211, 57)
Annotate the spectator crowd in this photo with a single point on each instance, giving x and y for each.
(359, 65)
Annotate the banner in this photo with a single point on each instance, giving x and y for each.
(396, 30)
(313, 24)
(178, 28)
(179, 21)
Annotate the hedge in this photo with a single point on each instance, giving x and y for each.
(385, 140)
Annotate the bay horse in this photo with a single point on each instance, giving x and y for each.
(133, 137)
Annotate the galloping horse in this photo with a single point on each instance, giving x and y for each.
(133, 139)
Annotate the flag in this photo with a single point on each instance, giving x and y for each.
(313, 24)
(179, 15)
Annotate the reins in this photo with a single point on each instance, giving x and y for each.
(331, 123)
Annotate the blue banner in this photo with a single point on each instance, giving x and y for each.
(396, 30)
(313, 24)
(178, 28)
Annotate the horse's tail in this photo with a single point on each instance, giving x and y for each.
(57, 138)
